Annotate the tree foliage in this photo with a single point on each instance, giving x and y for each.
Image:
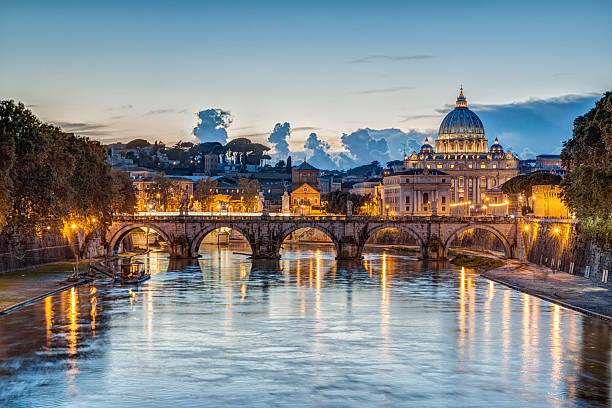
(587, 186)
(205, 191)
(335, 202)
(523, 183)
(248, 190)
(48, 177)
(165, 191)
(123, 195)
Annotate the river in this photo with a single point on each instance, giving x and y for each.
(306, 331)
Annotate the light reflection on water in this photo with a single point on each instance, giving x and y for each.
(307, 330)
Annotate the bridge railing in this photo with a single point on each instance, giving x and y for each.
(165, 217)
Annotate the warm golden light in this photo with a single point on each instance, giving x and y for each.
(93, 220)
(526, 227)
(73, 226)
(48, 227)
(556, 230)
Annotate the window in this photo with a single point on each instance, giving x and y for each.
(316, 199)
(461, 182)
(470, 166)
(305, 189)
(425, 198)
(444, 180)
(452, 166)
(439, 166)
(429, 166)
(495, 166)
(407, 199)
(443, 199)
(482, 165)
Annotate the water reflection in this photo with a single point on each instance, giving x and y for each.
(225, 330)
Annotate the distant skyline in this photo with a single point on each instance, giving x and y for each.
(116, 71)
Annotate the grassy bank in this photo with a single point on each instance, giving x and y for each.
(480, 263)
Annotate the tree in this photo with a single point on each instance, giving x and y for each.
(48, 177)
(279, 164)
(336, 201)
(205, 191)
(137, 144)
(587, 186)
(163, 190)
(249, 191)
(289, 164)
(523, 183)
(123, 195)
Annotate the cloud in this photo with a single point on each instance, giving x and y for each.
(83, 128)
(159, 112)
(317, 153)
(212, 126)
(121, 107)
(535, 125)
(279, 137)
(391, 58)
(366, 145)
(385, 90)
(407, 118)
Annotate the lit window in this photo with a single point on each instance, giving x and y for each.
(470, 166)
(495, 166)
(429, 166)
(452, 166)
(482, 166)
(439, 166)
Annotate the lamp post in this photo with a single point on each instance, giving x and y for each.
(387, 210)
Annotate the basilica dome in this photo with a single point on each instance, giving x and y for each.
(461, 122)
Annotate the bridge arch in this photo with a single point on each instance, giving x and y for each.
(294, 227)
(499, 235)
(118, 236)
(194, 247)
(370, 233)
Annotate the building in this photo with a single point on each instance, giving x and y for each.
(462, 152)
(305, 200)
(367, 187)
(547, 202)
(305, 173)
(416, 192)
(328, 183)
(550, 163)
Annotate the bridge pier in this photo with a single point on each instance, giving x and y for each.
(179, 249)
(348, 250)
(433, 250)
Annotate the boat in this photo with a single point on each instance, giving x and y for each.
(125, 271)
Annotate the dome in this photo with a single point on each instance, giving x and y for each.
(496, 147)
(427, 148)
(461, 122)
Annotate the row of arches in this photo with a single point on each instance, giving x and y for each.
(433, 249)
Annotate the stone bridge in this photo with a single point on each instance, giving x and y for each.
(266, 234)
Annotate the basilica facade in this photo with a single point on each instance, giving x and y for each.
(462, 152)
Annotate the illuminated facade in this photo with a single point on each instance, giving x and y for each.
(547, 202)
(416, 192)
(462, 152)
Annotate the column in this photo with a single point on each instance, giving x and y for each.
(477, 190)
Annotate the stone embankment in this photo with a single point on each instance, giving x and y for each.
(571, 291)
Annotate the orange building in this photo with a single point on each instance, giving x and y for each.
(547, 202)
(305, 200)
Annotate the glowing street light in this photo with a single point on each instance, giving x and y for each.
(526, 227)
(556, 230)
(73, 226)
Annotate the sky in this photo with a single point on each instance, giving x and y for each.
(368, 79)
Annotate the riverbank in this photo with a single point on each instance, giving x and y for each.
(570, 291)
(22, 285)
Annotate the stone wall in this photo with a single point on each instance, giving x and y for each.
(17, 252)
(556, 244)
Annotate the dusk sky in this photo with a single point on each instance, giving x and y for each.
(116, 71)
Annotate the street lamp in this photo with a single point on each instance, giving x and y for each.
(387, 209)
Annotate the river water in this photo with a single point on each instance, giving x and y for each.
(224, 331)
